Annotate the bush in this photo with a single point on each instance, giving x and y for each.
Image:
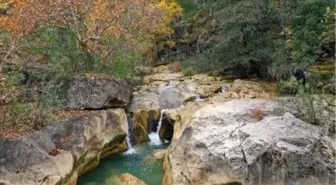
(189, 71)
(276, 35)
(290, 86)
(28, 113)
(15, 78)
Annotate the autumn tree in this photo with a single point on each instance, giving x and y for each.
(137, 23)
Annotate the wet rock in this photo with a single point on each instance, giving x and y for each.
(124, 179)
(61, 152)
(145, 122)
(160, 154)
(129, 179)
(222, 144)
(96, 93)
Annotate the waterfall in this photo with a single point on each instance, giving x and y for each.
(131, 149)
(171, 83)
(155, 136)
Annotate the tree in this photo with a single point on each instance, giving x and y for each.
(136, 23)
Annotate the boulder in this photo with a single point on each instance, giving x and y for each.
(59, 153)
(170, 98)
(160, 154)
(128, 179)
(98, 93)
(124, 179)
(224, 144)
(148, 100)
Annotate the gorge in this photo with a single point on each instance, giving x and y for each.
(167, 92)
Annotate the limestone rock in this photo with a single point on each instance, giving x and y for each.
(60, 152)
(166, 77)
(145, 100)
(252, 89)
(145, 121)
(170, 98)
(223, 143)
(160, 154)
(161, 69)
(143, 70)
(95, 93)
(128, 179)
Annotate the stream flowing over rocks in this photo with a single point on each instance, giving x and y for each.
(220, 133)
(217, 142)
(215, 139)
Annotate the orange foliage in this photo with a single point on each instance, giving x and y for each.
(257, 113)
(135, 22)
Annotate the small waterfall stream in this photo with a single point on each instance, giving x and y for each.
(131, 149)
(171, 83)
(155, 136)
(198, 98)
(130, 120)
(137, 160)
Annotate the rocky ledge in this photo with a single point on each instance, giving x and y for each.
(225, 143)
(61, 152)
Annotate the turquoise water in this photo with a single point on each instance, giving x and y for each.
(139, 164)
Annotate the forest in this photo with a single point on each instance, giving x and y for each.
(47, 43)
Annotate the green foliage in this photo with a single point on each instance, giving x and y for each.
(189, 7)
(20, 110)
(28, 113)
(276, 35)
(15, 78)
(290, 86)
(189, 71)
(53, 95)
(65, 55)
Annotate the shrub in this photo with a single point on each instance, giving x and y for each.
(28, 113)
(290, 86)
(189, 71)
(15, 78)
(276, 35)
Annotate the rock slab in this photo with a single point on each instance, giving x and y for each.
(95, 93)
(59, 153)
(223, 143)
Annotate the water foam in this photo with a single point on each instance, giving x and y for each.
(154, 136)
